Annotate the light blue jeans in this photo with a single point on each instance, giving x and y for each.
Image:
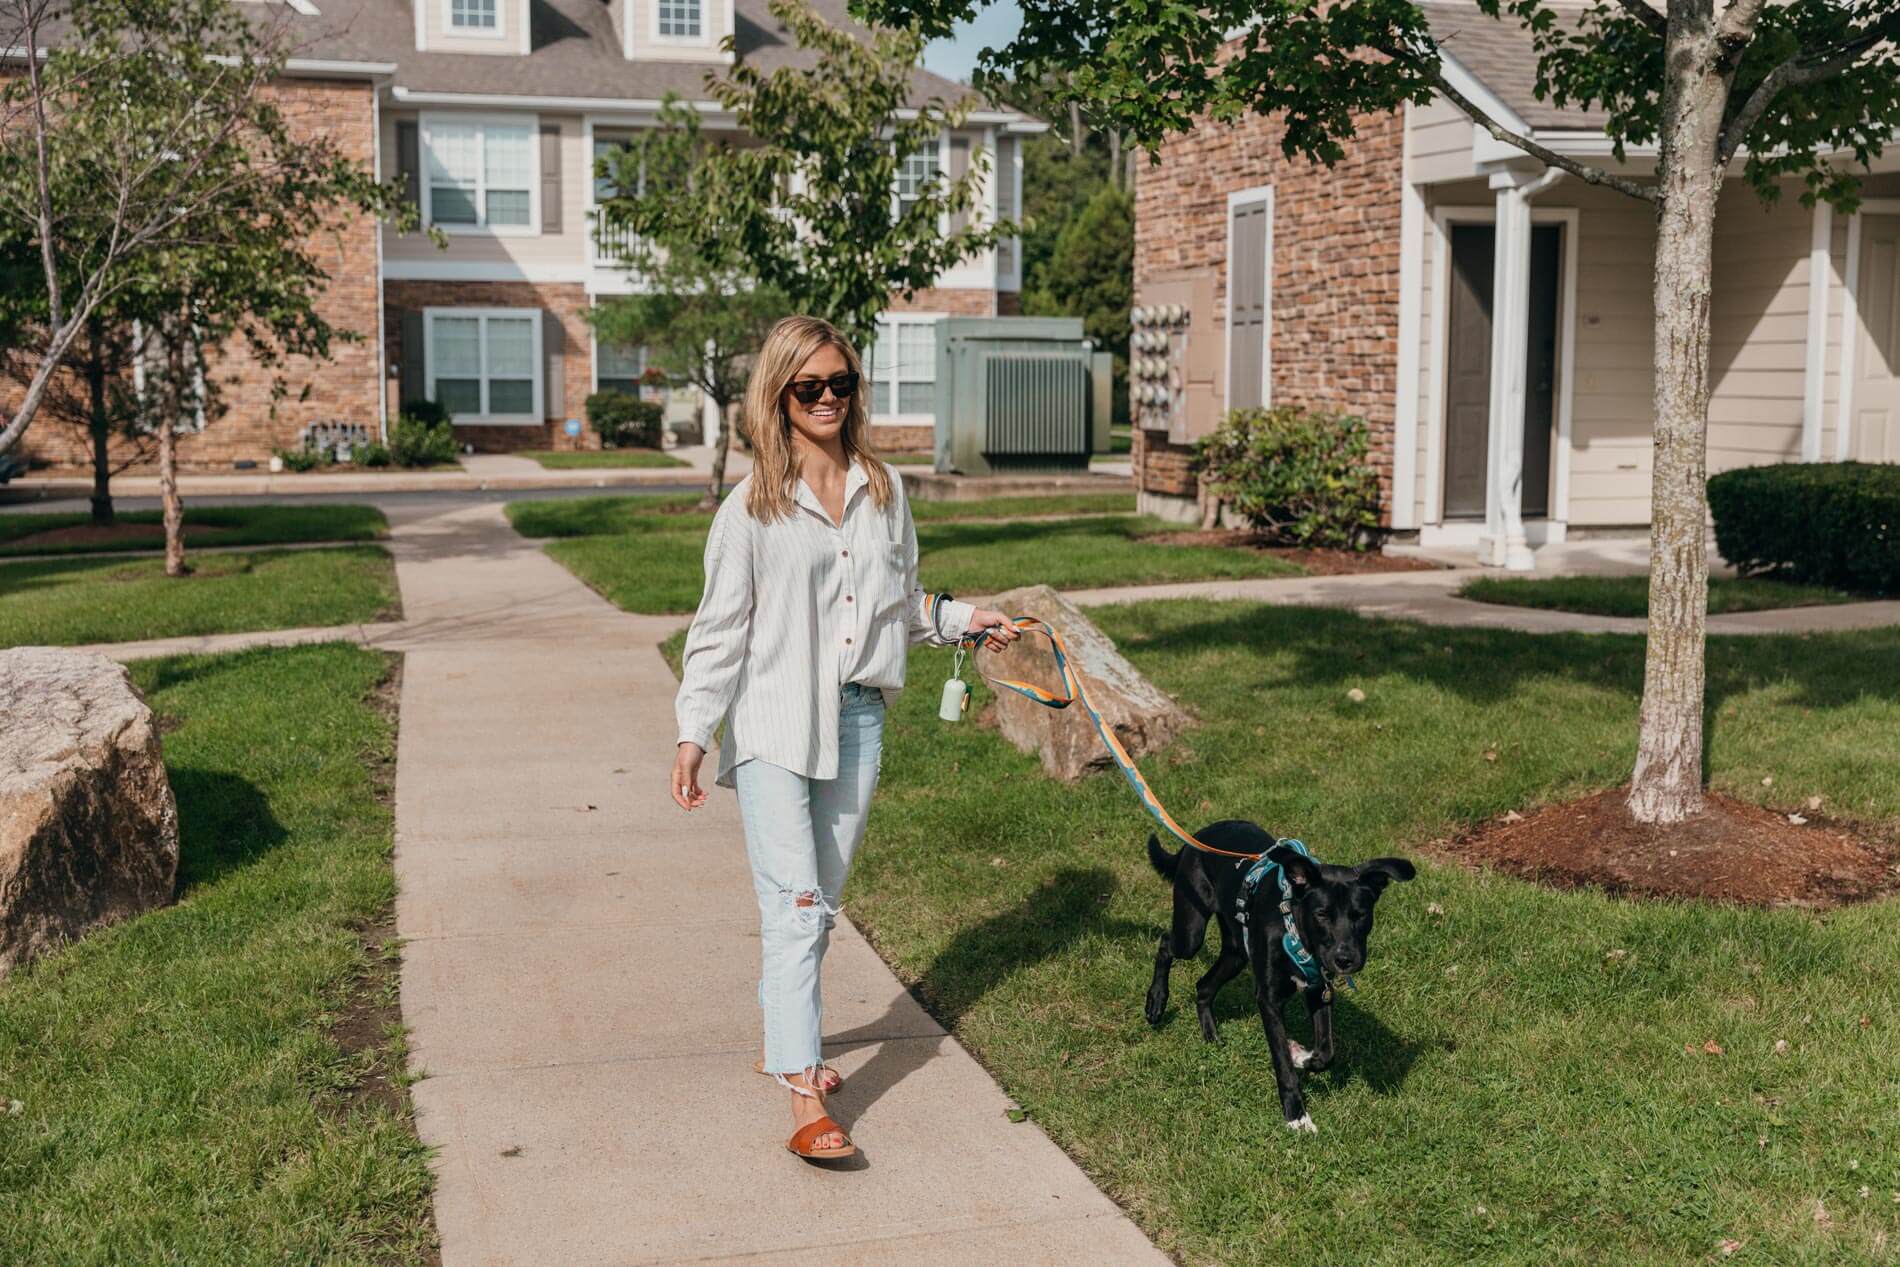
(800, 835)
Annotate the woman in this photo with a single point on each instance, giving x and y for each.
(811, 600)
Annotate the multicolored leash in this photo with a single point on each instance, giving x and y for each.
(1074, 692)
(1263, 867)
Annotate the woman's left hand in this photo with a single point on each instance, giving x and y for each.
(1002, 630)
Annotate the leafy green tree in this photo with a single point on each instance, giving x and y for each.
(143, 142)
(1091, 275)
(1058, 182)
(1783, 87)
(814, 207)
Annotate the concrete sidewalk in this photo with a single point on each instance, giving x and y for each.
(579, 970)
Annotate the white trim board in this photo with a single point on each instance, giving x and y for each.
(1442, 220)
(1236, 199)
(436, 270)
(1851, 327)
(1814, 366)
(1411, 281)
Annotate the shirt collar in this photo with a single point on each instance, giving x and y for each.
(854, 479)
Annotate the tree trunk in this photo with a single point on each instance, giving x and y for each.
(721, 448)
(168, 491)
(1115, 159)
(1666, 784)
(1076, 135)
(98, 422)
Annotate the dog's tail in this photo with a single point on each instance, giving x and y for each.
(1162, 861)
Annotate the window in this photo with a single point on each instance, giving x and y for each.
(917, 169)
(481, 174)
(679, 18)
(904, 367)
(485, 363)
(618, 368)
(473, 16)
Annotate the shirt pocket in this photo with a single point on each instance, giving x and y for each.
(889, 586)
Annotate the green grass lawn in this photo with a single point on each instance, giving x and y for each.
(181, 1099)
(1629, 595)
(603, 458)
(645, 559)
(1508, 1090)
(207, 525)
(67, 601)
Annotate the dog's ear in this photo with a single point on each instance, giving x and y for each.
(1382, 871)
(1301, 871)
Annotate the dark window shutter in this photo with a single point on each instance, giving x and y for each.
(412, 383)
(959, 165)
(409, 163)
(550, 178)
(554, 357)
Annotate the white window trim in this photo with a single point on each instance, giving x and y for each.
(1852, 325)
(455, 32)
(534, 319)
(1555, 526)
(1237, 199)
(704, 37)
(430, 119)
(900, 419)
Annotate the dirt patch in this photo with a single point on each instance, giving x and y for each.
(1317, 562)
(1734, 852)
(126, 536)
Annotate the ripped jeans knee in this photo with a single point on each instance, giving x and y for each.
(810, 908)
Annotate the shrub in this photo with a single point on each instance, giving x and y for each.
(1301, 476)
(1820, 523)
(375, 453)
(429, 411)
(623, 420)
(417, 441)
(302, 459)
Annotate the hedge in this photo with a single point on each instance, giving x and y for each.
(1820, 523)
(623, 420)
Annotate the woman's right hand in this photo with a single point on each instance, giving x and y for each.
(686, 790)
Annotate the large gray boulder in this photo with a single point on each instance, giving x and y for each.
(1141, 714)
(88, 823)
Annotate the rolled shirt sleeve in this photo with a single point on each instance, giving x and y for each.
(716, 644)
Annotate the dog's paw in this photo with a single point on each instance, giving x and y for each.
(1301, 1057)
(1303, 1125)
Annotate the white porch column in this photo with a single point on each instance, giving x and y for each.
(1504, 544)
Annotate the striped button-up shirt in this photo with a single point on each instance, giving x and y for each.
(794, 610)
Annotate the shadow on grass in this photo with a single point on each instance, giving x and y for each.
(224, 822)
(1043, 925)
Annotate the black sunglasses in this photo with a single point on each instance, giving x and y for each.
(809, 391)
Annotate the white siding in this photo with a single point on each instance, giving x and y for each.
(1758, 329)
(1440, 142)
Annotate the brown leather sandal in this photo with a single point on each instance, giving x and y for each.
(837, 1079)
(801, 1141)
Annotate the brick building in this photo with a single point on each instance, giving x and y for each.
(1372, 287)
(493, 112)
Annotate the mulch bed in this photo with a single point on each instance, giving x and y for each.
(129, 536)
(1734, 852)
(1317, 562)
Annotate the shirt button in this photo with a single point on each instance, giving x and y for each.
(845, 553)
(847, 642)
(847, 598)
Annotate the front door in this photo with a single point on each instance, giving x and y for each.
(1877, 359)
(1468, 369)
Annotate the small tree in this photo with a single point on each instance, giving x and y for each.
(93, 400)
(146, 138)
(1788, 86)
(1091, 275)
(700, 312)
(815, 207)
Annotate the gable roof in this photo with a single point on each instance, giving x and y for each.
(576, 52)
(1498, 52)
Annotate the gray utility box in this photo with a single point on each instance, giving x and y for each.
(1019, 394)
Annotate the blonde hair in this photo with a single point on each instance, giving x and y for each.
(774, 487)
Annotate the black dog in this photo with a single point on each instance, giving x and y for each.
(1332, 911)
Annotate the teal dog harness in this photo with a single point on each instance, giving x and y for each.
(1304, 964)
